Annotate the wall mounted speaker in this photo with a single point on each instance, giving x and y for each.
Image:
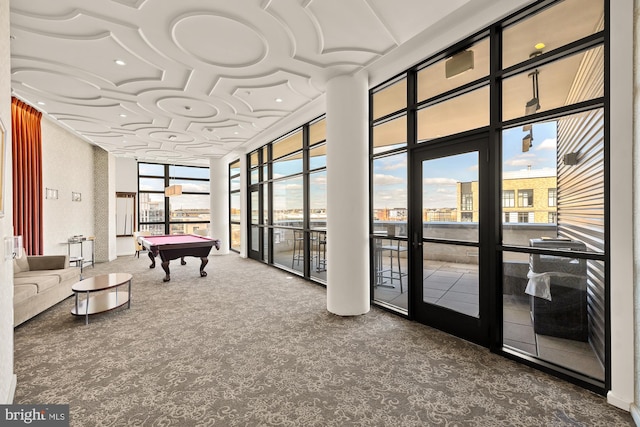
(570, 159)
(458, 63)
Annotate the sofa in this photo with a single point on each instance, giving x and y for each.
(40, 282)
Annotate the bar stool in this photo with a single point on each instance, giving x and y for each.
(298, 247)
(394, 272)
(322, 251)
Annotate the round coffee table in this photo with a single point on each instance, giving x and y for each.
(101, 294)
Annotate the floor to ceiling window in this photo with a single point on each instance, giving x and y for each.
(488, 183)
(554, 302)
(317, 191)
(173, 199)
(235, 212)
(287, 202)
(389, 195)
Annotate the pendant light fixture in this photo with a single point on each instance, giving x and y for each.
(533, 104)
(172, 190)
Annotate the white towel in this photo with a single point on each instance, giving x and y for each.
(539, 285)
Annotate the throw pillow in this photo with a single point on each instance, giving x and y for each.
(21, 264)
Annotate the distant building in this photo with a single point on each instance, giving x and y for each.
(528, 196)
(440, 215)
(390, 214)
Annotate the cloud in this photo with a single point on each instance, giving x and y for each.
(396, 198)
(384, 179)
(319, 179)
(395, 166)
(189, 200)
(522, 160)
(196, 188)
(547, 171)
(439, 181)
(391, 163)
(439, 202)
(547, 144)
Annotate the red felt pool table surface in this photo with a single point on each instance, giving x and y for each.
(175, 239)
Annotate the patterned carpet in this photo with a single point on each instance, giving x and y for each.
(248, 345)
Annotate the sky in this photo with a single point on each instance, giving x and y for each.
(390, 180)
(187, 201)
(440, 175)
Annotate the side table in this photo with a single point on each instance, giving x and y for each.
(77, 261)
(85, 259)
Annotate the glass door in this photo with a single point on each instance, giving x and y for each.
(447, 242)
(254, 216)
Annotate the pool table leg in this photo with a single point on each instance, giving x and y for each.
(153, 260)
(165, 267)
(205, 261)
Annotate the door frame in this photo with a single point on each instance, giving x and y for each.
(251, 253)
(472, 329)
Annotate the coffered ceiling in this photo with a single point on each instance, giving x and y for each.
(185, 81)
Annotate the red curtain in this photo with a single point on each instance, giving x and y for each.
(27, 175)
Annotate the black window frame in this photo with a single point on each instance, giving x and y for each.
(495, 128)
(167, 177)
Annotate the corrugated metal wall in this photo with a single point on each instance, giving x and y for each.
(581, 210)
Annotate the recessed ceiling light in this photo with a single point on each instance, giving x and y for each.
(540, 46)
(123, 115)
(41, 103)
(235, 133)
(120, 62)
(278, 99)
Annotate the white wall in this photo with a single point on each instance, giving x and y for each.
(621, 281)
(7, 377)
(126, 175)
(635, 407)
(67, 166)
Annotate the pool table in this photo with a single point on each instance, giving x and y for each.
(176, 246)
